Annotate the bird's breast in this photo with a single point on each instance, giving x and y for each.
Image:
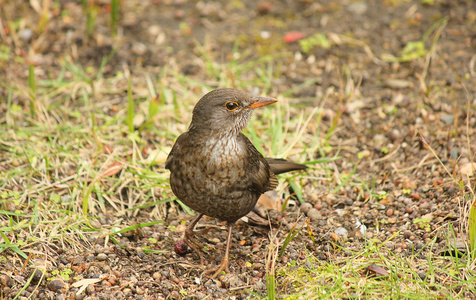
(214, 180)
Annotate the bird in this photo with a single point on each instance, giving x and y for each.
(216, 170)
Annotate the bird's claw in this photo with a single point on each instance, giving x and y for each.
(223, 266)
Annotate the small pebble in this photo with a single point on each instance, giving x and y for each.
(156, 275)
(58, 285)
(25, 34)
(342, 232)
(264, 7)
(306, 207)
(424, 205)
(101, 256)
(447, 119)
(389, 212)
(314, 214)
(422, 275)
(419, 246)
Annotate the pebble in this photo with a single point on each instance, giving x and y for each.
(127, 291)
(58, 285)
(318, 206)
(101, 256)
(215, 240)
(314, 214)
(408, 201)
(422, 275)
(424, 205)
(264, 8)
(306, 207)
(454, 154)
(342, 232)
(395, 135)
(398, 83)
(349, 202)
(390, 245)
(139, 48)
(419, 246)
(447, 119)
(409, 184)
(25, 34)
(379, 139)
(358, 8)
(389, 212)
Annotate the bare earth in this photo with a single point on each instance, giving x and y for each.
(403, 132)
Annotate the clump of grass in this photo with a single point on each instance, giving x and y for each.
(416, 49)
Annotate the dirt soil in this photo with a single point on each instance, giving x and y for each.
(395, 117)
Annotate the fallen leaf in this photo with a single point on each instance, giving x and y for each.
(84, 284)
(113, 169)
(373, 269)
(107, 149)
(293, 36)
(270, 200)
(157, 156)
(468, 169)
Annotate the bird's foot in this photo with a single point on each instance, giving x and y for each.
(193, 243)
(223, 266)
(189, 239)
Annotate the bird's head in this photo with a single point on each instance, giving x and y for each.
(227, 110)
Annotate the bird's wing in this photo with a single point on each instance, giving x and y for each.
(262, 178)
(176, 148)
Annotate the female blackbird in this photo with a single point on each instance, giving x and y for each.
(215, 169)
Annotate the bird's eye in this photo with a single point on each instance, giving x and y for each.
(231, 105)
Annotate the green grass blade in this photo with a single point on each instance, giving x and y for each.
(472, 229)
(130, 107)
(32, 85)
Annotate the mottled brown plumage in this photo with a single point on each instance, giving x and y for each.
(215, 169)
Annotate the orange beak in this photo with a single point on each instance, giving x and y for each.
(261, 101)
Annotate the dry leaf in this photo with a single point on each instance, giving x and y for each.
(270, 200)
(468, 169)
(293, 36)
(113, 169)
(107, 149)
(84, 284)
(157, 156)
(376, 270)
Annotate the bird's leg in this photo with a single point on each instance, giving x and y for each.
(190, 240)
(223, 266)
